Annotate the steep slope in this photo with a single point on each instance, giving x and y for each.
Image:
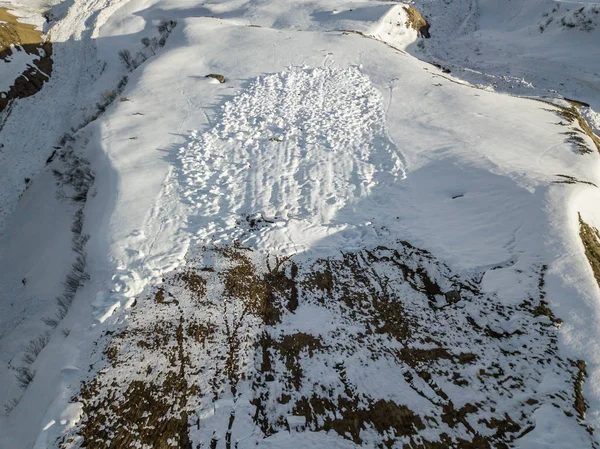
(535, 47)
(288, 232)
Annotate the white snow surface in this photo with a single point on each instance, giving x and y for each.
(336, 140)
(533, 47)
(296, 148)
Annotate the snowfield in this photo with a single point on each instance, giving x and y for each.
(536, 47)
(340, 245)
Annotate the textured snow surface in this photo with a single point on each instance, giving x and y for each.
(533, 47)
(294, 148)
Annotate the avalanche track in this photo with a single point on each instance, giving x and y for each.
(292, 150)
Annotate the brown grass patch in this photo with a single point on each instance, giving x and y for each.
(384, 304)
(590, 237)
(290, 347)
(30, 40)
(390, 317)
(200, 332)
(159, 297)
(13, 32)
(148, 413)
(415, 356)
(322, 280)
(264, 294)
(349, 419)
(580, 403)
(573, 116)
(195, 283)
(416, 21)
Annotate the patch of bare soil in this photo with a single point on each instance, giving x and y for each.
(16, 36)
(235, 325)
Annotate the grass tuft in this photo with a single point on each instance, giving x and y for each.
(590, 237)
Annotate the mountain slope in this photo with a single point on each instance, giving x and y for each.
(534, 48)
(339, 245)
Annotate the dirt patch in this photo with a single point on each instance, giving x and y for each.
(416, 21)
(16, 36)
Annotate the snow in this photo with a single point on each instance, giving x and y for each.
(329, 141)
(546, 434)
(593, 119)
(535, 47)
(15, 65)
(32, 252)
(28, 11)
(324, 125)
(304, 440)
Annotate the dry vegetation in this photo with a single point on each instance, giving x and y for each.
(590, 237)
(32, 41)
(225, 327)
(15, 33)
(416, 21)
(216, 76)
(567, 179)
(571, 116)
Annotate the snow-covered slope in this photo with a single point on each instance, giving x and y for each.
(338, 246)
(530, 47)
